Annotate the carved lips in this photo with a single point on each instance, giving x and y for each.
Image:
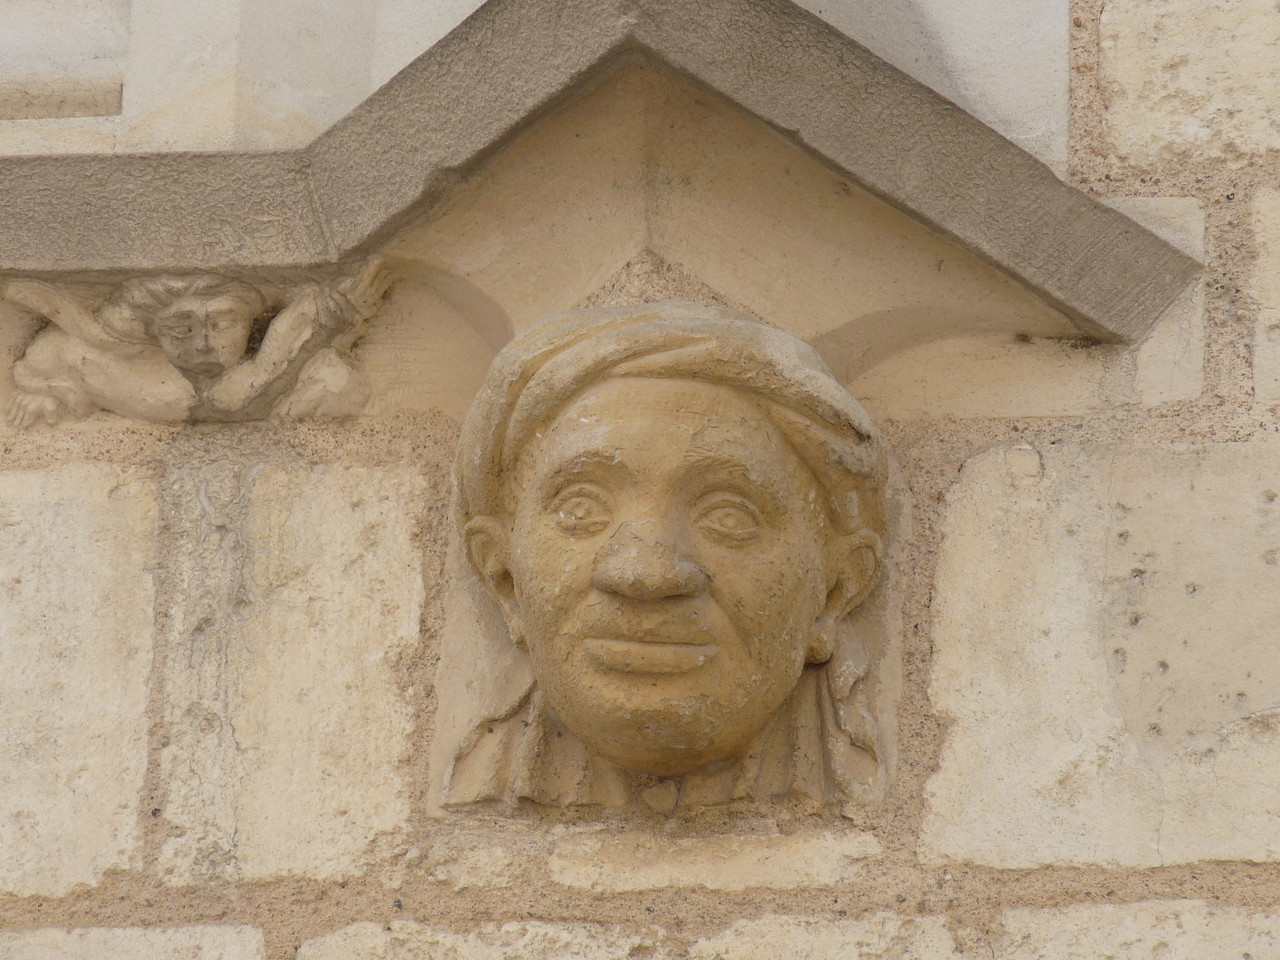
(649, 655)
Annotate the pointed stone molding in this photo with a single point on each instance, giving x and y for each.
(398, 153)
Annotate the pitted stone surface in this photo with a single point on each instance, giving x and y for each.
(1264, 286)
(1184, 76)
(1168, 930)
(1086, 597)
(296, 589)
(877, 936)
(766, 938)
(403, 940)
(77, 552)
(93, 943)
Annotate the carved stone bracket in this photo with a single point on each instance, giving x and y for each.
(175, 348)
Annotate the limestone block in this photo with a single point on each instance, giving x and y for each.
(180, 78)
(1184, 76)
(403, 940)
(289, 93)
(1104, 657)
(97, 943)
(880, 935)
(62, 58)
(1264, 286)
(640, 861)
(77, 550)
(295, 590)
(1169, 930)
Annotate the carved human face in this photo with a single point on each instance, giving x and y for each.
(204, 336)
(668, 565)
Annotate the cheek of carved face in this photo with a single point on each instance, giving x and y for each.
(204, 336)
(667, 563)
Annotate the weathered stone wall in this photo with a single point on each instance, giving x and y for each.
(219, 644)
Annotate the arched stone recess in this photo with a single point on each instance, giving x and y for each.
(557, 152)
(648, 187)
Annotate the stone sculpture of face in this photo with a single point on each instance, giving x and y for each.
(204, 336)
(668, 568)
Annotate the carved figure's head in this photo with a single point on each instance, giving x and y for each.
(676, 508)
(202, 324)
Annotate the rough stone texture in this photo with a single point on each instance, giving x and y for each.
(640, 861)
(1264, 286)
(1004, 63)
(1084, 601)
(880, 935)
(94, 943)
(77, 549)
(1167, 930)
(403, 940)
(1182, 76)
(296, 588)
(767, 938)
(449, 108)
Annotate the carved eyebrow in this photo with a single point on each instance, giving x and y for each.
(588, 461)
(735, 470)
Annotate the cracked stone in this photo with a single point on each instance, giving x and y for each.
(295, 590)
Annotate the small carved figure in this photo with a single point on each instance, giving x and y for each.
(177, 348)
(675, 508)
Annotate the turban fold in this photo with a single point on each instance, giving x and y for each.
(539, 372)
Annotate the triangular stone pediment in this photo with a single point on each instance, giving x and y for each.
(646, 176)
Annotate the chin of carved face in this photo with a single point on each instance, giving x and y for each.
(667, 568)
(204, 337)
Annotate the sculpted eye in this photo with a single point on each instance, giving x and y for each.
(581, 512)
(730, 520)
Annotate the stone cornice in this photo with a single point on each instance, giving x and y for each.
(400, 150)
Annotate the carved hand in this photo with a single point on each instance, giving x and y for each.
(366, 289)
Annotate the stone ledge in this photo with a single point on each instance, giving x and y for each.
(510, 61)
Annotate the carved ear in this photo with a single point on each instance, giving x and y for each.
(854, 561)
(489, 550)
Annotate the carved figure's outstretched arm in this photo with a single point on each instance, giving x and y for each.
(64, 311)
(314, 320)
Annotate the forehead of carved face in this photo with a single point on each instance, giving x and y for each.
(668, 564)
(204, 335)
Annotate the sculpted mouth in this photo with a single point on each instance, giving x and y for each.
(654, 655)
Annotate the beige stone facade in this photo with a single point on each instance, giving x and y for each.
(273, 686)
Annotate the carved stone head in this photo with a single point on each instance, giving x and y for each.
(202, 323)
(675, 508)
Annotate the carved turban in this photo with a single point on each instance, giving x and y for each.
(542, 370)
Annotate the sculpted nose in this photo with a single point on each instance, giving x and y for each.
(200, 339)
(636, 564)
